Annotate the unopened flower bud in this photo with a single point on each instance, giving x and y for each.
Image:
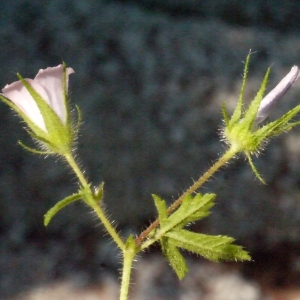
(270, 100)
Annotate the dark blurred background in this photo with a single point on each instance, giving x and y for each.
(150, 78)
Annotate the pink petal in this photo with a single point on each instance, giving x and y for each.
(276, 94)
(48, 84)
(18, 94)
(51, 79)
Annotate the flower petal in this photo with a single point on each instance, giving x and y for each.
(51, 79)
(276, 94)
(18, 94)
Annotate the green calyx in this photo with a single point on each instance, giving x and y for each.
(241, 132)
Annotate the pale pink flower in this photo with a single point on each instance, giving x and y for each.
(48, 84)
(276, 94)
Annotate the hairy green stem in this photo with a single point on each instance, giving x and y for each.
(94, 203)
(230, 153)
(128, 257)
(111, 230)
(70, 159)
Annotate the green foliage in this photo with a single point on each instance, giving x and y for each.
(242, 133)
(175, 258)
(212, 247)
(58, 206)
(192, 209)
(172, 235)
(32, 150)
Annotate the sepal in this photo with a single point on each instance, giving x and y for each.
(35, 151)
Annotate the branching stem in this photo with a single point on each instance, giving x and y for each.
(197, 184)
(128, 258)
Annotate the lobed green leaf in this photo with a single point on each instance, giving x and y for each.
(162, 209)
(215, 248)
(191, 210)
(175, 258)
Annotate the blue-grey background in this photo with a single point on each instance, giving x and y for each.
(150, 78)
